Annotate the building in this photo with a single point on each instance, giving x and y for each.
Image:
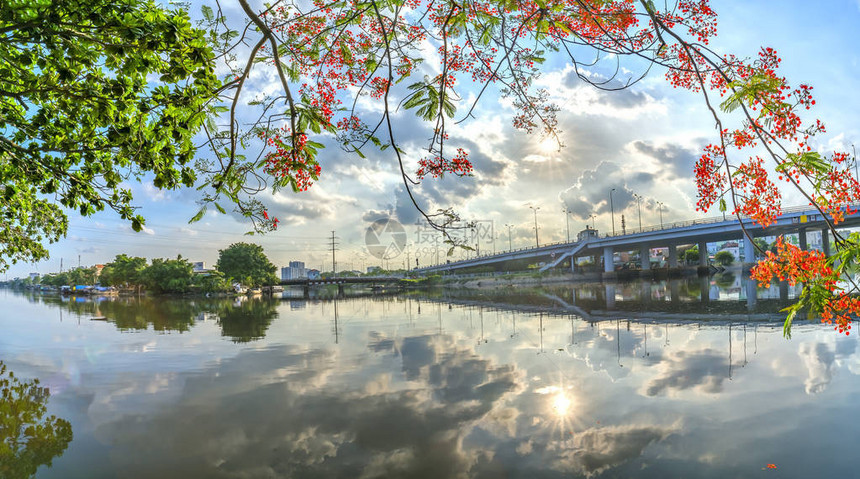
(296, 270)
(199, 267)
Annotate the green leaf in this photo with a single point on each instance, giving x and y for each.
(786, 327)
(207, 13)
(198, 216)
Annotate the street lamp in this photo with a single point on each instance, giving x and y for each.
(567, 221)
(612, 209)
(639, 207)
(477, 241)
(660, 209)
(510, 244)
(534, 209)
(592, 221)
(494, 236)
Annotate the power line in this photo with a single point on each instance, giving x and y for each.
(177, 230)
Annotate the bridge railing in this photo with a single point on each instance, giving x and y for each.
(648, 229)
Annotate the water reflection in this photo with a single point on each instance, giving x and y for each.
(690, 298)
(247, 320)
(241, 319)
(28, 439)
(541, 383)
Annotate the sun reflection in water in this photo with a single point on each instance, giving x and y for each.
(561, 412)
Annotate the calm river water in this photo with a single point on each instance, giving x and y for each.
(666, 379)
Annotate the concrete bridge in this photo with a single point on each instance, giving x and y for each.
(699, 232)
(372, 281)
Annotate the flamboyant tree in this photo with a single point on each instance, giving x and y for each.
(328, 54)
(423, 56)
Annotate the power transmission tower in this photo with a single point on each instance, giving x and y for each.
(333, 244)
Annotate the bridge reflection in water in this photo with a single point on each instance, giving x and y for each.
(721, 297)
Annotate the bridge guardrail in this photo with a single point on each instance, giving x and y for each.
(648, 229)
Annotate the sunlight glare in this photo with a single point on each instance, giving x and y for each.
(561, 404)
(548, 145)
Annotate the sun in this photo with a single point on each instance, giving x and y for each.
(561, 404)
(549, 146)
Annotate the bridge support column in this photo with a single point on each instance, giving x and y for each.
(703, 254)
(783, 290)
(608, 260)
(801, 237)
(673, 256)
(645, 258)
(749, 252)
(825, 241)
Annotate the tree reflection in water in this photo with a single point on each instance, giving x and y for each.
(247, 321)
(28, 439)
(241, 319)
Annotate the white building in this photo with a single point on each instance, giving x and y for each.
(199, 267)
(296, 270)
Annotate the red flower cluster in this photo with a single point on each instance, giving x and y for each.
(290, 161)
(710, 179)
(792, 264)
(272, 222)
(438, 165)
(761, 197)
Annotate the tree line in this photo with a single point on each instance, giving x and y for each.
(242, 263)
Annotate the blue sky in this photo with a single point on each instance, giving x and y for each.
(641, 141)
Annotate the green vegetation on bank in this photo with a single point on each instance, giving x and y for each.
(241, 263)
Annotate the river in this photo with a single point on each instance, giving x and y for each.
(685, 378)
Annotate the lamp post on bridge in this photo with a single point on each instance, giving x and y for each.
(612, 210)
(592, 217)
(660, 209)
(639, 208)
(494, 236)
(477, 241)
(537, 241)
(510, 244)
(567, 221)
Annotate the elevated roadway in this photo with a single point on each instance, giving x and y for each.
(698, 231)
